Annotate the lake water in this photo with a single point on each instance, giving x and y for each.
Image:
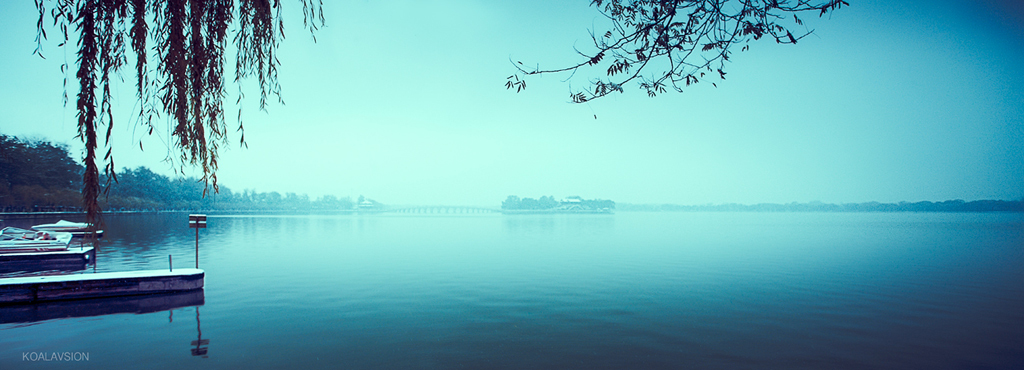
(630, 290)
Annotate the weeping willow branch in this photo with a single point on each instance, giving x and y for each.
(187, 39)
(671, 44)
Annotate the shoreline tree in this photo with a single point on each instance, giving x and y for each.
(186, 39)
(672, 44)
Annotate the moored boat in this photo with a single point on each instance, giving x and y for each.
(15, 240)
(77, 229)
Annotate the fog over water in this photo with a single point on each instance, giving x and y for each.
(404, 102)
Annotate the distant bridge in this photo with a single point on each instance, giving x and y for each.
(443, 210)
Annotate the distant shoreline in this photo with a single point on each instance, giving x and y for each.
(950, 206)
(553, 211)
(953, 206)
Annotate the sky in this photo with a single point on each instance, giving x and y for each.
(404, 102)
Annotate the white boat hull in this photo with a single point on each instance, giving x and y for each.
(77, 229)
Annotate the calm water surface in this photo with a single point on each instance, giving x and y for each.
(630, 290)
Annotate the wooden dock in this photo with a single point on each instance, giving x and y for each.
(75, 258)
(95, 285)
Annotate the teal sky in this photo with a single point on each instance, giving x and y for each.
(403, 101)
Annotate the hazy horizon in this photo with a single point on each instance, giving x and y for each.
(887, 102)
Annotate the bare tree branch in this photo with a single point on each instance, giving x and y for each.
(677, 42)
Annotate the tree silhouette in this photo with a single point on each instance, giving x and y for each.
(671, 44)
(187, 39)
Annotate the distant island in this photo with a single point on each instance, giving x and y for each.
(547, 204)
(925, 206)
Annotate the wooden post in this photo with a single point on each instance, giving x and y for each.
(170, 263)
(197, 221)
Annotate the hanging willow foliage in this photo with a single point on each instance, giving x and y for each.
(188, 38)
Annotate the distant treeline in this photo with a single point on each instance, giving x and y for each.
(548, 202)
(41, 176)
(142, 190)
(37, 174)
(946, 206)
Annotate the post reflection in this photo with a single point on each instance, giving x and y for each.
(200, 342)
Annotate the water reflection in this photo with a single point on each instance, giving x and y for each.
(30, 313)
(558, 224)
(200, 342)
(139, 232)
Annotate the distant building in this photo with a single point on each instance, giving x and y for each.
(369, 205)
(572, 204)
